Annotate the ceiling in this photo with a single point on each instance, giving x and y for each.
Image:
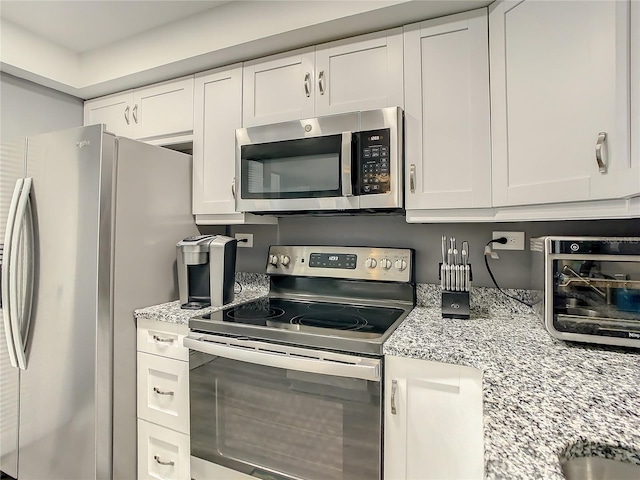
(83, 25)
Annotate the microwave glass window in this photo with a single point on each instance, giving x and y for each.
(302, 168)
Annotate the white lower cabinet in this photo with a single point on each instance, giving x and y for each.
(162, 453)
(433, 426)
(163, 401)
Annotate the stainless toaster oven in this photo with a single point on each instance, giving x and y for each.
(589, 288)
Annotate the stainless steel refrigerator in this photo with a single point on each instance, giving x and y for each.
(90, 222)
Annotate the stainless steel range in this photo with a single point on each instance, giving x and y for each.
(289, 386)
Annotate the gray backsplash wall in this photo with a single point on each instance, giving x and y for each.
(511, 269)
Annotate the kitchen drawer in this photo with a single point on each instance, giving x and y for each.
(162, 453)
(163, 391)
(162, 338)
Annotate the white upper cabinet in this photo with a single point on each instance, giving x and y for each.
(150, 113)
(433, 421)
(447, 116)
(360, 73)
(217, 114)
(560, 102)
(113, 110)
(635, 84)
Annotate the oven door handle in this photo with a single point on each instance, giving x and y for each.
(280, 356)
(347, 164)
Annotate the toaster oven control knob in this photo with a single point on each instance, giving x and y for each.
(385, 264)
(285, 260)
(401, 264)
(273, 260)
(370, 263)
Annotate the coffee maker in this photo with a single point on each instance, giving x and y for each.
(206, 270)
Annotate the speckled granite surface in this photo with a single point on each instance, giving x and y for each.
(544, 399)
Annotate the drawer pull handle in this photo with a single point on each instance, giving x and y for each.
(412, 178)
(170, 463)
(163, 340)
(162, 392)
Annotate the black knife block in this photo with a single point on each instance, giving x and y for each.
(456, 304)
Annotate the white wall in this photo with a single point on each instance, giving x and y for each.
(28, 109)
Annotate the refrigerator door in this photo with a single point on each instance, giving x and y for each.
(12, 167)
(58, 390)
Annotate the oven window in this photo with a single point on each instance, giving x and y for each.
(275, 423)
(302, 168)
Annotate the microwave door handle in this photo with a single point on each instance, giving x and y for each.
(347, 164)
(366, 369)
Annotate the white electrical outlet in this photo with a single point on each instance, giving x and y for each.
(515, 241)
(247, 236)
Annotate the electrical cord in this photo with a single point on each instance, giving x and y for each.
(501, 240)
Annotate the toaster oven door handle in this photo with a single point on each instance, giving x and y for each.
(287, 358)
(346, 164)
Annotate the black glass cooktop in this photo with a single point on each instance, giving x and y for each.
(309, 316)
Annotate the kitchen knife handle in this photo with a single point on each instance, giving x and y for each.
(600, 146)
(307, 84)
(321, 82)
(394, 390)
(126, 114)
(412, 178)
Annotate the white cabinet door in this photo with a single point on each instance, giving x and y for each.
(559, 77)
(114, 111)
(362, 73)
(278, 88)
(163, 391)
(162, 453)
(163, 109)
(447, 124)
(218, 112)
(432, 421)
(635, 84)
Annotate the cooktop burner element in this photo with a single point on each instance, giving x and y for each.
(353, 309)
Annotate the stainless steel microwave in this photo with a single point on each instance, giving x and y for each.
(346, 162)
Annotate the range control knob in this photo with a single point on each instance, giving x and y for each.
(401, 264)
(273, 260)
(285, 260)
(370, 263)
(385, 264)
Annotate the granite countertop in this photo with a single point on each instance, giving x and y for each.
(544, 399)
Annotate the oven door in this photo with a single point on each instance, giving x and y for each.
(279, 412)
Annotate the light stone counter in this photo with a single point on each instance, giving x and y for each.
(544, 399)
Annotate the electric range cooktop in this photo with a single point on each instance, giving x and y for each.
(357, 307)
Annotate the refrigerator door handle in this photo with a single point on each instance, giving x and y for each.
(7, 270)
(20, 326)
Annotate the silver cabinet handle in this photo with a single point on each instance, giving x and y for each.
(412, 178)
(307, 84)
(135, 113)
(162, 392)
(321, 82)
(126, 114)
(600, 144)
(163, 340)
(394, 389)
(170, 463)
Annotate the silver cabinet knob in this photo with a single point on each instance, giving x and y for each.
(285, 260)
(401, 264)
(385, 264)
(370, 263)
(273, 260)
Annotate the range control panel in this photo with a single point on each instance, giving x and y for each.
(359, 263)
(374, 154)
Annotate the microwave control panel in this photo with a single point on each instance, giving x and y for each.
(374, 166)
